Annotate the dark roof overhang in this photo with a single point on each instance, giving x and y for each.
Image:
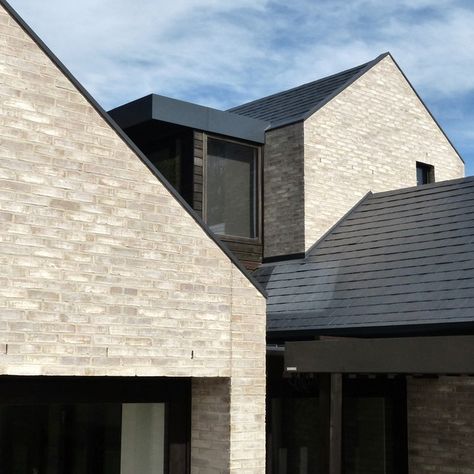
(406, 355)
(187, 114)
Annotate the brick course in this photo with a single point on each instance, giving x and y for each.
(283, 191)
(103, 271)
(369, 138)
(441, 425)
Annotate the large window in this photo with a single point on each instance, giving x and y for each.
(82, 438)
(231, 188)
(84, 425)
(372, 429)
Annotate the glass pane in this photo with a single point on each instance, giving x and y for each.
(82, 438)
(166, 156)
(231, 188)
(295, 435)
(143, 438)
(421, 175)
(364, 436)
(60, 439)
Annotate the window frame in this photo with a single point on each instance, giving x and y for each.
(257, 182)
(430, 172)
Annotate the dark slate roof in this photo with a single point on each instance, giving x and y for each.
(301, 102)
(113, 125)
(187, 114)
(399, 260)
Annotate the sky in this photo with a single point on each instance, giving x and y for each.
(222, 53)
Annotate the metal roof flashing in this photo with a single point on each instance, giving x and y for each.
(187, 114)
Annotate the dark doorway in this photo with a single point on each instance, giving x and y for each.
(373, 427)
(94, 425)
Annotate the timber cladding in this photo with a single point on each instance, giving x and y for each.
(248, 251)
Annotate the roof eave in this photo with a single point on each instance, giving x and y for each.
(392, 330)
(187, 114)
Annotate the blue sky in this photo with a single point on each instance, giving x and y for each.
(224, 52)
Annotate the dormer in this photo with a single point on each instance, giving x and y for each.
(213, 158)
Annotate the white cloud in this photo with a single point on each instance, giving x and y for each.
(224, 52)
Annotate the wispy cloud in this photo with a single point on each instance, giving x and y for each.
(221, 53)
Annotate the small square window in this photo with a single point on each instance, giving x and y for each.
(424, 174)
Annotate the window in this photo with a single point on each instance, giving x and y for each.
(107, 438)
(99, 425)
(231, 188)
(424, 174)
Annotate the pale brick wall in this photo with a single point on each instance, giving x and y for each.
(248, 379)
(368, 138)
(441, 425)
(210, 426)
(283, 188)
(103, 271)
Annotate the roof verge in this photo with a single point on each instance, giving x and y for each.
(106, 117)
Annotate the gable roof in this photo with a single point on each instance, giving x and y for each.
(299, 103)
(107, 119)
(399, 260)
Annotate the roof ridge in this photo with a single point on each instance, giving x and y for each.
(108, 119)
(254, 108)
(346, 84)
(363, 65)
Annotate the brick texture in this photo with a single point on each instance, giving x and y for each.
(368, 138)
(283, 191)
(103, 272)
(441, 425)
(210, 426)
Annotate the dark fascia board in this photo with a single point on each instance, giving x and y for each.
(386, 330)
(319, 105)
(187, 114)
(106, 117)
(134, 113)
(408, 355)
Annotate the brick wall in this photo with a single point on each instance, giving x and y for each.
(368, 138)
(283, 191)
(103, 271)
(441, 425)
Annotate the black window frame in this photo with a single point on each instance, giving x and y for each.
(428, 172)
